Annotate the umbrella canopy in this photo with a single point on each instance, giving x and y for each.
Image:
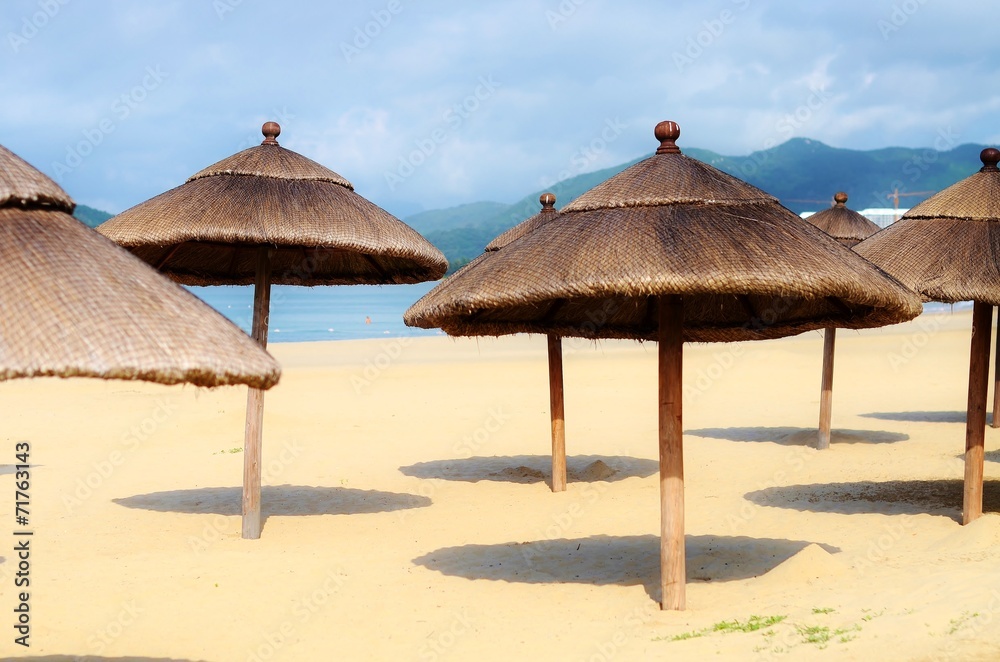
(848, 227)
(748, 268)
(76, 305)
(845, 225)
(269, 215)
(947, 248)
(546, 215)
(670, 249)
(208, 230)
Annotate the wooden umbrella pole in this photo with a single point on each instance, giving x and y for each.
(670, 352)
(255, 402)
(975, 421)
(996, 380)
(826, 389)
(558, 416)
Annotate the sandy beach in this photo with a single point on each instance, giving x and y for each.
(408, 515)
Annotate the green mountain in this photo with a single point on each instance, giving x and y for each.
(802, 173)
(442, 219)
(89, 216)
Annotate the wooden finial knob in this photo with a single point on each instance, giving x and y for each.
(840, 198)
(548, 201)
(271, 131)
(667, 133)
(989, 156)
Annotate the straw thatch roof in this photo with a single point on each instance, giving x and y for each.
(207, 231)
(947, 248)
(546, 215)
(746, 267)
(75, 304)
(21, 185)
(845, 225)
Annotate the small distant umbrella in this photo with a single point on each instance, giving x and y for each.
(74, 304)
(270, 215)
(848, 227)
(553, 345)
(670, 249)
(947, 248)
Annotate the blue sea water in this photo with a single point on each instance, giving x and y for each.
(336, 312)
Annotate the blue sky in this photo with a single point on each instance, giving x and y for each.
(425, 105)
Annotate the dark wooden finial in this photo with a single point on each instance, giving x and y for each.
(548, 201)
(271, 131)
(667, 133)
(989, 156)
(840, 198)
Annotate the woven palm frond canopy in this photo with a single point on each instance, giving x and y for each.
(747, 267)
(845, 225)
(74, 304)
(268, 215)
(947, 248)
(670, 249)
(848, 227)
(208, 230)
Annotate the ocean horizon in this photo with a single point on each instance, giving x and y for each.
(334, 312)
(348, 312)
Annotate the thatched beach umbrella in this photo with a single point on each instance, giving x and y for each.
(553, 345)
(848, 227)
(946, 248)
(74, 304)
(268, 215)
(670, 249)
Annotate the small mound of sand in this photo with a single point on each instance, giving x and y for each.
(519, 473)
(812, 562)
(979, 535)
(596, 470)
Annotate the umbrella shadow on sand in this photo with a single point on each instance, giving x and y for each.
(619, 560)
(279, 500)
(891, 497)
(533, 468)
(923, 416)
(788, 436)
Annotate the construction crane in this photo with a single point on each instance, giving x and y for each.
(828, 201)
(896, 195)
